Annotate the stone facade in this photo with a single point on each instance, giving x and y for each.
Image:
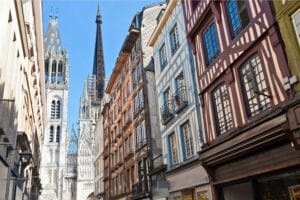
(55, 138)
(86, 145)
(22, 98)
(132, 155)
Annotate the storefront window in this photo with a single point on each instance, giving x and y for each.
(238, 191)
(203, 195)
(279, 187)
(282, 186)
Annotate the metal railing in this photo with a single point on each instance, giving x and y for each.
(180, 99)
(167, 112)
(141, 188)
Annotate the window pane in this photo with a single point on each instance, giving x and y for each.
(255, 90)
(238, 15)
(174, 39)
(296, 20)
(173, 150)
(222, 109)
(234, 16)
(163, 56)
(51, 134)
(211, 43)
(188, 140)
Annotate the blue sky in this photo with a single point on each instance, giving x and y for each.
(77, 31)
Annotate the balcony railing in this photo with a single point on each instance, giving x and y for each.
(128, 153)
(180, 99)
(167, 112)
(8, 128)
(127, 119)
(141, 143)
(141, 189)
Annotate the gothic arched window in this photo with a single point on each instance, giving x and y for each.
(53, 109)
(53, 74)
(58, 134)
(57, 110)
(51, 134)
(47, 69)
(60, 70)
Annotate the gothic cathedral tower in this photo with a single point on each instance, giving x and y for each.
(56, 129)
(90, 100)
(98, 68)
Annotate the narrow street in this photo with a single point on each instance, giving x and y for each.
(149, 100)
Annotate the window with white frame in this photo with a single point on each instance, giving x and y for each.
(51, 134)
(140, 135)
(173, 149)
(296, 22)
(188, 140)
(174, 37)
(163, 57)
(58, 134)
(141, 99)
(53, 109)
(57, 110)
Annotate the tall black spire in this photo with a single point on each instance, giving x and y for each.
(98, 68)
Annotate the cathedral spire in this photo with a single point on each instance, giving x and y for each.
(98, 68)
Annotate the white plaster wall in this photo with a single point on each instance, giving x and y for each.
(177, 63)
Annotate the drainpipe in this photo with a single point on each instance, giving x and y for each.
(150, 139)
(197, 101)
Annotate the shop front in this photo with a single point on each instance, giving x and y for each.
(189, 183)
(278, 186)
(260, 162)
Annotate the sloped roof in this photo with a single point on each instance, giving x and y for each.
(52, 40)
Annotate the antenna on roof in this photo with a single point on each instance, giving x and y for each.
(56, 17)
(50, 16)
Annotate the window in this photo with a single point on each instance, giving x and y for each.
(163, 57)
(202, 195)
(238, 15)
(222, 109)
(180, 96)
(139, 72)
(141, 99)
(174, 39)
(194, 4)
(136, 104)
(296, 22)
(53, 109)
(173, 150)
(58, 134)
(167, 97)
(179, 81)
(59, 75)
(140, 135)
(187, 139)
(127, 146)
(47, 69)
(51, 134)
(134, 79)
(53, 74)
(211, 44)
(254, 86)
(57, 108)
